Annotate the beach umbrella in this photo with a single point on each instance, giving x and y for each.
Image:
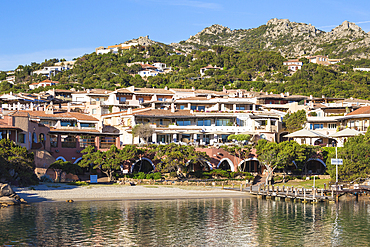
(304, 133)
(346, 133)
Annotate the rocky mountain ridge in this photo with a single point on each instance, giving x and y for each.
(291, 39)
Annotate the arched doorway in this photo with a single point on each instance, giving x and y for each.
(250, 165)
(314, 166)
(143, 165)
(202, 165)
(226, 164)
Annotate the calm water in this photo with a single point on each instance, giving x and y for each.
(203, 222)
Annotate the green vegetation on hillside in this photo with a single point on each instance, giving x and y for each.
(250, 70)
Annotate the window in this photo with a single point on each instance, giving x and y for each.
(107, 141)
(87, 125)
(93, 111)
(201, 108)
(318, 126)
(68, 141)
(242, 108)
(122, 99)
(204, 122)
(22, 138)
(223, 122)
(86, 141)
(332, 126)
(53, 141)
(68, 124)
(182, 107)
(160, 99)
(193, 107)
(141, 100)
(185, 122)
(117, 98)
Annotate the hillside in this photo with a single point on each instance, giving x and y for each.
(291, 39)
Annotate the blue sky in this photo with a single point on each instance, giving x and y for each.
(36, 30)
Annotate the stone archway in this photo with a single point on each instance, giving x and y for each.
(143, 165)
(199, 166)
(226, 164)
(314, 166)
(250, 165)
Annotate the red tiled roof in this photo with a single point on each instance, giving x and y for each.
(57, 115)
(362, 110)
(164, 113)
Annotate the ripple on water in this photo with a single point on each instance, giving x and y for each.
(209, 222)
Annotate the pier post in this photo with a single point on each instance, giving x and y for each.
(223, 184)
(332, 193)
(277, 189)
(295, 192)
(304, 195)
(324, 186)
(283, 188)
(241, 187)
(232, 185)
(287, 192)
(250, 188)
(272, 188)
(314, 193)
(322, 192)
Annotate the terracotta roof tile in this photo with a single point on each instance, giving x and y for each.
(362, 110)
(164, 113)
(57, 115)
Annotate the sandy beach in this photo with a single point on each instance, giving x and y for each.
(63, 192)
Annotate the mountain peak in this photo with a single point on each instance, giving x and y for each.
(276, 21)
(347, 25)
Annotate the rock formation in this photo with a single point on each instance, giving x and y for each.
(8, 196)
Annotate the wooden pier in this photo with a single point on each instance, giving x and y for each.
(303, 195)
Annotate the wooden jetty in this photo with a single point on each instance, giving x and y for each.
(303, 195)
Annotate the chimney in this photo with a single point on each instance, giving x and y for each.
(129, 111)
(172, 107)
(287, 94)
(282, 95)
(224, 89)
(209, 96)
(311, 97)
(165, 88)
(68, 107)
(323, 96)
(267, 93)
(88, 90)
(193, 88)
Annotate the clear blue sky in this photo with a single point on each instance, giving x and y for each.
(36, 30)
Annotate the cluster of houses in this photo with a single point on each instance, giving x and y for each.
(59, 124)
(294, 64)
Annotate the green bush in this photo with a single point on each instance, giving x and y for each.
(173, 174)
(78, 183)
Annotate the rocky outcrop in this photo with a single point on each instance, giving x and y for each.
(291, 39)
(8, 196)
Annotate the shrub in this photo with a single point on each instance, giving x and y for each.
(173, 174)
(78, 183)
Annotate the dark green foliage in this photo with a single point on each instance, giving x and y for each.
(142, 175)
(356, 158)
(175, 157)
(295, 121)
(16, 164)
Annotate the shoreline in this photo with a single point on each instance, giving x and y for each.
(61, 192)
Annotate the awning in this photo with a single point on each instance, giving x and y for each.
(346, 133)
(304, 133)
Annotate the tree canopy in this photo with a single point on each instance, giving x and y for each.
(295, 121)
(175, 157)
(356, 158)
(16, 164)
